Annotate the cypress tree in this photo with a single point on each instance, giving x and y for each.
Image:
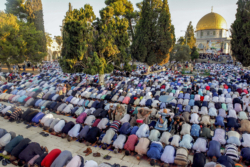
(154, 37)
(34, 10)
(240, 31)
(191, 40)
(173, 33)
(16, 7)
(77, 38)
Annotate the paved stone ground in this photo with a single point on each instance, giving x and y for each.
(76, 148)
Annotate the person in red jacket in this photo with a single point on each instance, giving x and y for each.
(49, 159)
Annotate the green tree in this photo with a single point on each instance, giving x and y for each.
(12, 44)
(78, 38)
(19, 41)
(34, 51)
(180, 53)
(48, 39)
(94, 46)
(181, 41)
(194, 53)
(153, 39)
(58, 40)
(173, 33)
(191, 40)
(124, 9)
(34, 10)
(240, 31)
(17, 8)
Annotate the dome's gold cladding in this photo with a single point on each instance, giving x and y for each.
(211, 21)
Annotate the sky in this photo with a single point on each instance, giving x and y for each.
(182, 11)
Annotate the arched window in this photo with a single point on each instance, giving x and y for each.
(200, 46)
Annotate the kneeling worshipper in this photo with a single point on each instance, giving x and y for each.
(45, 118)
(38, 161)
(244, 126)
(67, 128)
(200, 145)
(19, 148)
(245, 156)
(186, 141)
(37, 118)
(76, 161)
(233, 137)
(110, 134)
(92, 135)
(130, 144)
(53, 123)
(4, 140)
(226, 161)
(11, 111)
(63, 158)
(28, 115)
(119, 143)
(58, 127)
(83, 133)
(16, 115)
(32, 150)
(154, 152)
(47, 123)
(143, 131)
(214, 150)
(2, 132)
(50, 157)
(142, 147)
(199, 160)
(74, 132)
(12, 144)
(168, 155)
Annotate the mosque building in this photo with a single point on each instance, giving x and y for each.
(212, 34)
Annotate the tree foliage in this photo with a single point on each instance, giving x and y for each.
(78, 40)
(240, 31)
(191, 40)
(153, 39)
(181, 41)
(17, 8)
(29, 11)
(19, 41)
(58, 40)
(34, 10)
(48, 39)
(194, 53)
(180, 53)
(97, 46)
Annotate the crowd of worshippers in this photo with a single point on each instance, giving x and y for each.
(130, 115)
(214, 57)
(23, 152)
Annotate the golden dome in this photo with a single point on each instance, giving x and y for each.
(211, 21)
